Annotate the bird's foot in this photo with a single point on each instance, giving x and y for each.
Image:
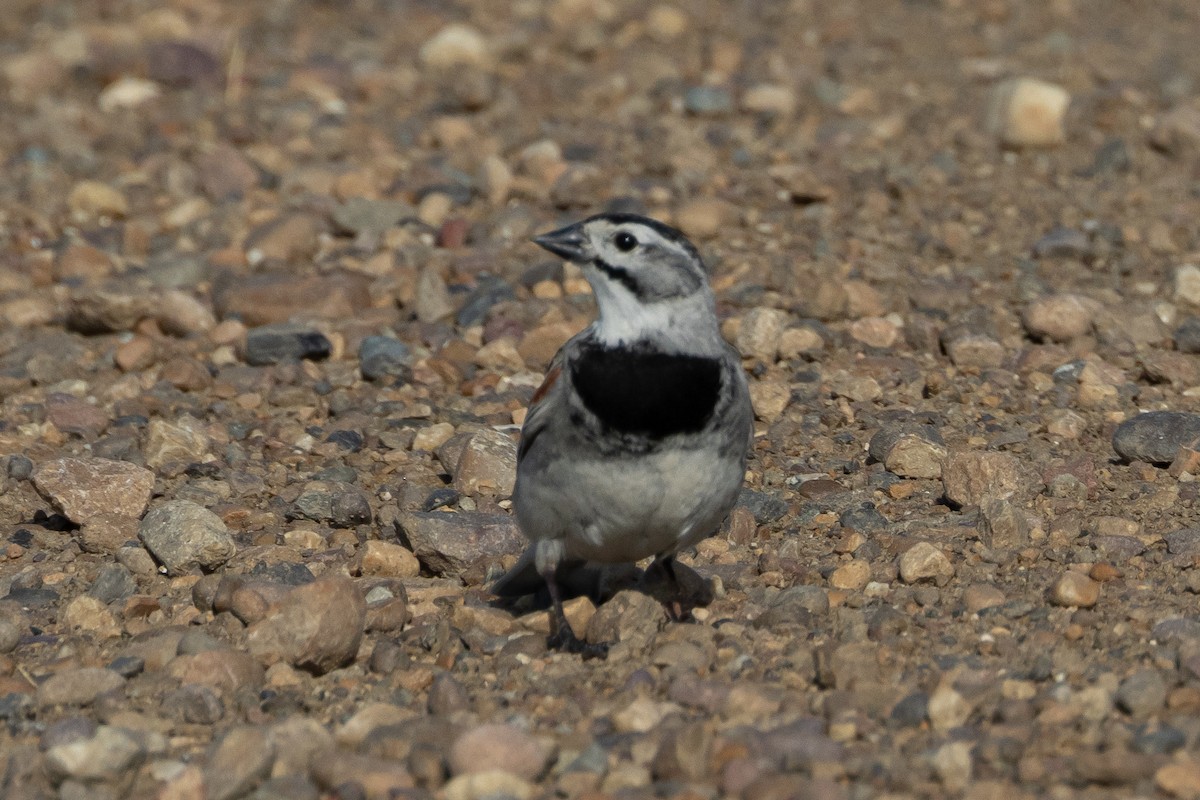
(680, 610)
(564, 639)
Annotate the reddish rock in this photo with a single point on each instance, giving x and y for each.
(316, 627)
(86, 488)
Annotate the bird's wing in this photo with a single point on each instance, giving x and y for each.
(537, 417)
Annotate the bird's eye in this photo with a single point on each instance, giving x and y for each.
(625, 241)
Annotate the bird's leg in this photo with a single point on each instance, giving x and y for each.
(562, 636)
(679, 609)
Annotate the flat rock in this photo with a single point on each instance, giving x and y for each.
(1185, 542)
(1155, 436)
(116, 305)
(223, 670)
(273, 297)
(291, 236)
(78, 687)
(89, 489)
(273, 344)
(225, 173)
(91, 199)
(75, 415)
(974, 351)
(1059, 243)
(980, 596)
(499, 747)
(447, 544)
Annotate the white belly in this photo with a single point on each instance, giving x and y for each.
(618, 511)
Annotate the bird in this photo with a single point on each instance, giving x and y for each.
(635, 444)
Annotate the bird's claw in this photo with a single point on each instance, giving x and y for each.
(565, 640)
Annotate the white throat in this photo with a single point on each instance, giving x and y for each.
(684, 324)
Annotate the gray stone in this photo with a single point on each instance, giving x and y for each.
(490, 291)
(1004, 525)
(1184, 542)
(1155, 436)
(114, 582)
(362, 215)
(707, 100)
(272, 344)
(287, 787)
(1063, 243)
(765, 507)
(794, 606)
(447, 544)
(1187, 336)
(183, 536)
(10, 635)
(630, 618)
(340, 505)
(1143, 693)
(383, 357)
(798, 745)
(197, 705)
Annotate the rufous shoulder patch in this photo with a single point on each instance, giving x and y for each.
(547, 384)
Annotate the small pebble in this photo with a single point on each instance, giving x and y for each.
(273, 344)
(925, 561)
(1074, 589)
(498, 747)
(1026, 112)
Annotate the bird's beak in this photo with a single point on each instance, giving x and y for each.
(569, 243)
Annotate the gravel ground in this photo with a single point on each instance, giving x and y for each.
(269, 321)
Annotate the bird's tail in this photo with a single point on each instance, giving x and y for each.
(521, 580)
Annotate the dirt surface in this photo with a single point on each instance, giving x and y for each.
(270, 320)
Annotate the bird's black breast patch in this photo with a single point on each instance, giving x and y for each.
(637, 391)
